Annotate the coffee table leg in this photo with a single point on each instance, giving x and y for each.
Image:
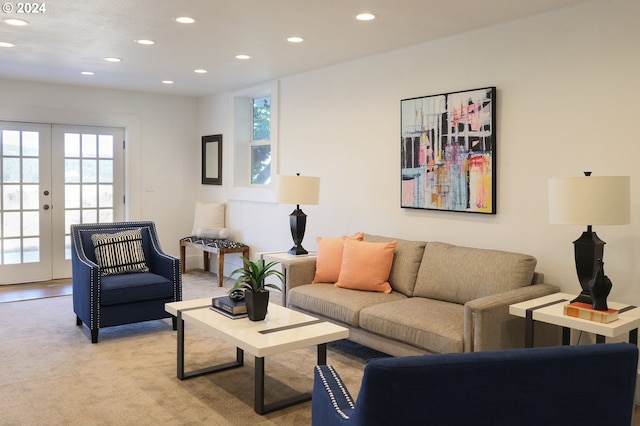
(180, 348)
(322, 354)
(259, 406)
(239, 362)
(258, 401)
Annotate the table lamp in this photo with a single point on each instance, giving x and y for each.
(298, 190)
(589, 200)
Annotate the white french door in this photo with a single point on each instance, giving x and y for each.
(51, 177)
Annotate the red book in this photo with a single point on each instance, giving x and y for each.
(586, 311)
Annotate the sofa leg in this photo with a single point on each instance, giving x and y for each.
(78, 320)
(94, 336)
(174, 321)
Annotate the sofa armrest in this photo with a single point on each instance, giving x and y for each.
(331, 402)
(489, 326)
(299, 271)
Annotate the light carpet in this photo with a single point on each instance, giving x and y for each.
(52, 375)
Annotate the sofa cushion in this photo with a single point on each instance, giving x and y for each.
(126, 288)
(433, 325)
(341, 304)
(329, 259)
(120, 252)
(366, 266)
(460, 274)
(406, 261)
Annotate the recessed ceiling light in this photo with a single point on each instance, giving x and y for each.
(295, 39)
(185, 20)
(243, 57)
(16, 22)
(167, 82)
(366, 17)
(87, 73)
(6, 44)
(111, 59)
(200, 71)
(145, 42)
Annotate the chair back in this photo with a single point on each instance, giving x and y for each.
(589, 384)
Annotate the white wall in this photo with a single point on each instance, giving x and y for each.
(161, 131)
(567, 91)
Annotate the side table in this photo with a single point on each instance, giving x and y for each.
(286, 260)
(550, 309)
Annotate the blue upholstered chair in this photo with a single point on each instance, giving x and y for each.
(120, 275)
(561, 385)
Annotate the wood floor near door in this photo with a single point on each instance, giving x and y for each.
(39, 290)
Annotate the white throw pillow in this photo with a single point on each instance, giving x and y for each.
(214, 233)
(208, 215)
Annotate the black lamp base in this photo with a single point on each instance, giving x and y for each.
(298, 223)
(297, 250)
(584, 297)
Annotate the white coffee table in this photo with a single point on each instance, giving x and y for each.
(550, 309)
(283, 330)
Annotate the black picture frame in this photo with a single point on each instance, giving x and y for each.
(448, 151)
(212, 160)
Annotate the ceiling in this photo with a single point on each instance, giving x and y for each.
(72, 36)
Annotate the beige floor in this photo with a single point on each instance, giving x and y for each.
(16, 292)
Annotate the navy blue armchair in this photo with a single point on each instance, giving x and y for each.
(103, 295)
(561, 385)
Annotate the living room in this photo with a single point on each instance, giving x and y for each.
(566, 80)
(566, 83)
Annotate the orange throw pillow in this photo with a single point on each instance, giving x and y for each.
(329, 258)
(366, 266)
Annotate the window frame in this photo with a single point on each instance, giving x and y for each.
(241, 136)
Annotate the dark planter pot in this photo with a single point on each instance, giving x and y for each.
(256, 304)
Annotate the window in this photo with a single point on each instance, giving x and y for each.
(261, 141)
(255, 142)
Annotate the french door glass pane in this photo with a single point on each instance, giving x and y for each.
(30, 197)
(11, 197)
(11, 251)
(30, 170)
(10, 142)
(31, 250)
(30, 224)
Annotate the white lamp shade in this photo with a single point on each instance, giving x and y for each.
(590, 200)
(298, 190)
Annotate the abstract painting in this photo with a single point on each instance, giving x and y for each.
(448, 147)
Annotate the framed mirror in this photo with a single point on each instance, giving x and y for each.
(212, 160)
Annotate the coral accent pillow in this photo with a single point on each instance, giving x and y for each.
(366, 266)
(329, 258)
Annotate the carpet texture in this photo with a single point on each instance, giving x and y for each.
(53, 375)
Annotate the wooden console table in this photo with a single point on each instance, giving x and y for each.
(215, 246)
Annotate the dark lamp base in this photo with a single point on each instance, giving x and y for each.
(584, 297)
(297, 250)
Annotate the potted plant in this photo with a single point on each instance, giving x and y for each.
(251, 279)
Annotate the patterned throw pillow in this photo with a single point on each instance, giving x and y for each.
(120, 252)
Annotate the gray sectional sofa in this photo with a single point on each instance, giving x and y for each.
(444, 299)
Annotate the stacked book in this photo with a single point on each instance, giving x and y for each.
(228, 307)
(586, 311)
